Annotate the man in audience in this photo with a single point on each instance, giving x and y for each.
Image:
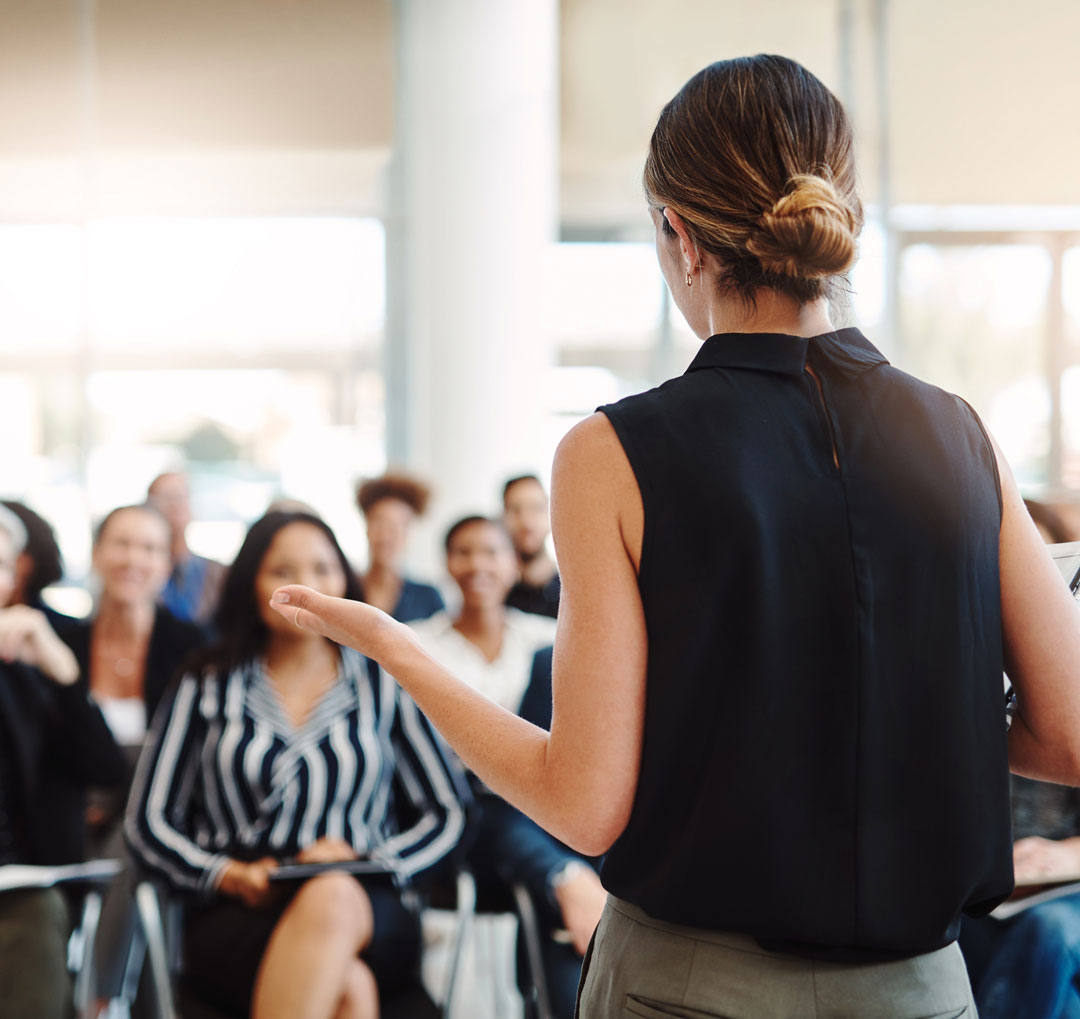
(525, 515)
(53, 743)
(195, 582)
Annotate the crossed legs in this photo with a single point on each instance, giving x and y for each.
(311, 968)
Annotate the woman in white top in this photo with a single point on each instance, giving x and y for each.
(484, 642)
(494, 649)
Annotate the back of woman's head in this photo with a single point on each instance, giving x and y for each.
(238, 624)
(756, 155)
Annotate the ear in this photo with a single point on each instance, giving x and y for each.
(687, 246)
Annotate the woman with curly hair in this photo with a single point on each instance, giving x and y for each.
(389, 505)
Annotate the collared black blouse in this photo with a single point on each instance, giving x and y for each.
(824, 763)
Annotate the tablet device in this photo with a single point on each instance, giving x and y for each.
(1066, 556)
(292, 871)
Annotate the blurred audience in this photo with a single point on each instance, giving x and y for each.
(279, 745)
(53, 743)
(40, 565)
(525, 514)
(1028, 967)
(389, 505)
(505, 653)
(194, 582)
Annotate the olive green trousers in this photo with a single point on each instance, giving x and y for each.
(638, 966)
(34, 929)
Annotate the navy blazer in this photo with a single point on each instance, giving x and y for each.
(172, 642)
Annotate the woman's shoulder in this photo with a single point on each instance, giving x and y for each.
(536, 628)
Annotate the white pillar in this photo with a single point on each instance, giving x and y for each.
(472, 197)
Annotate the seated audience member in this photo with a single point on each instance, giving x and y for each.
(131, 647)
(39, 566)
(194, 581)
(280, 745)
(129, 650)
(53, 742)
(389, 505)
(1028, 967)
(525, 514)
(506, 655)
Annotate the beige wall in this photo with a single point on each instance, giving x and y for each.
(982, 94)
(622, 60)
(286, 105)
(199, 106)
(984, 98)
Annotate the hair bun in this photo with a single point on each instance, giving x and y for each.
(810, 232)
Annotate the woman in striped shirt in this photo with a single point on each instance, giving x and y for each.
(282, 745)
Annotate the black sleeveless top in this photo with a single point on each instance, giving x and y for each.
(824, 763)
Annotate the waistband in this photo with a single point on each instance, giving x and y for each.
(746, 943)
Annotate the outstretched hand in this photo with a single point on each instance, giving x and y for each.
(352, 623)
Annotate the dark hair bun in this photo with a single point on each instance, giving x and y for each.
(810, 232)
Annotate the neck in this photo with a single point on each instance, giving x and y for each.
(120, 620)
(380, 573)
(481, 620)
(180, 551)
(285, 652)
(773, 313)
(538, 570)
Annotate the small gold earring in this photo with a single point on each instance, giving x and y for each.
(689, 280)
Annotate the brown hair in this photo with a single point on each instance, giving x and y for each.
(411, 491)
(517, 481)
(756, 155)
(141, 507)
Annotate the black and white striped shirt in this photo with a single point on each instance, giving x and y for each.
(228, 774)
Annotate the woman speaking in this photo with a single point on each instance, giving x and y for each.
(792, 578)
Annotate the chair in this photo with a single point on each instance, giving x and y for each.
(471, 901)
(173, 999)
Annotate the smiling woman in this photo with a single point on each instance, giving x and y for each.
(131, 647)
(315, 753)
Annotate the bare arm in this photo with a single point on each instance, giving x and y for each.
(577, 782)
(1041, 625)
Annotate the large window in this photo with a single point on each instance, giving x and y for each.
(973, 319)
(228, 347)
(995, 317)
